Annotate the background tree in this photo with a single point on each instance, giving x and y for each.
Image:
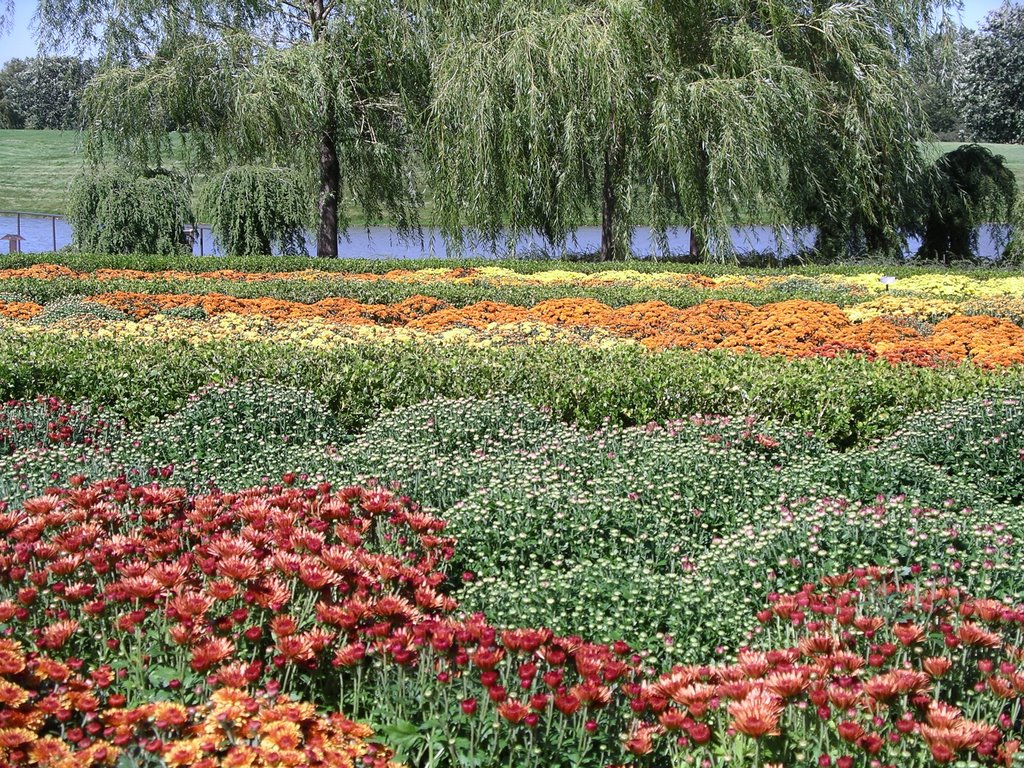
(252, 208)
(968, 187)
(118, 210)
(706, 113)
(44, 92)
(990, 90)
(10, 117)
(862, 160)
(934, 68)
(316, 85)
(547, 115)
(1015, 249)
(539, 118)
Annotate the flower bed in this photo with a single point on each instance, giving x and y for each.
(795, 328)
(480, 517)
(114, 595)
(614, 534)
(863, 282)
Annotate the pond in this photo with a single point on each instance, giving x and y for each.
(49, 233)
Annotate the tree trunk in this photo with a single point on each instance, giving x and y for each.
(697, 246)
(330, 168)
(698, 228)
(608, 201)
(330, 187)
(614, 158)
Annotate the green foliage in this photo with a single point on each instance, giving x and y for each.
(115, 211)
(845, 400)
(88, 262)
(1015, 249)
(933, 68)
(223, 429)
(966, 187)
(544, 113)
(300, 86)
(73, 306)
(252, 208)
(977, 441)
(865, 160)
(10, 115)
(43, 92)
(222, 433)
(990, 90)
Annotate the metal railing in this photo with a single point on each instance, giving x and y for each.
(15, 238)
(30, 232)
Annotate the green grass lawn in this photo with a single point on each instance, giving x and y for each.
(36, 168)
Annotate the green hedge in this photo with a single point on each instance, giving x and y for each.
(87, 262)
(845, 400)
(456, 294)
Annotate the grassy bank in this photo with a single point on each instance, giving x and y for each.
(38, 166)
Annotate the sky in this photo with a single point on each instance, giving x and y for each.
(19, 41)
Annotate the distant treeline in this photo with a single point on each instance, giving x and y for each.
(43, 92)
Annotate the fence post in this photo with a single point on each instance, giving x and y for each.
(53, 226)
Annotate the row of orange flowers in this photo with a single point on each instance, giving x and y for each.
(792, 328)
(235, 728)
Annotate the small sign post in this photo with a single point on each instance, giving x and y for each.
(13, 243)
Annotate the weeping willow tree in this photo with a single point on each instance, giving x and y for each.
(252, 208)
(547, 114)
(968, 187)
(1015, 248)
(319, 86)
(117, 210)
(538, 115)
(861, 185)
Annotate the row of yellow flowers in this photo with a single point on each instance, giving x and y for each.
(314, 333)
(867, 283)
(792, 328)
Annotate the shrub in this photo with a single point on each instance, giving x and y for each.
(118, 212)
(843, 400)
(968, 187)
(252, 208)
(73, 306)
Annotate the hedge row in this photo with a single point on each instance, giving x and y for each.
(845, 400)
(89, 262)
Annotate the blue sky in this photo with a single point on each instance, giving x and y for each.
(19, 42)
